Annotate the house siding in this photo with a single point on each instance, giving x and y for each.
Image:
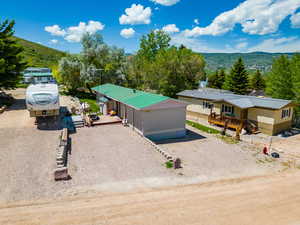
(269, 121)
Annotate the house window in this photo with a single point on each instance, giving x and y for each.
(207, 105)
(228, 109)
(286, 113)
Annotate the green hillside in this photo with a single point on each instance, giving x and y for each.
(253, 61)
(38, 55)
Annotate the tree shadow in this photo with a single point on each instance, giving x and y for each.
(18, 104)
(190, 136)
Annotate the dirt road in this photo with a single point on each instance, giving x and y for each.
(258, 200)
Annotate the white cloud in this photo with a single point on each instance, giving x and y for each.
(166, 2)
(75, 33)
(255, 16)
(242, 45)
(137, 14)
(198, 45)
(54, 41)
(55, 30)
(295, 20)
(171, 28)
(127, 33)
(196, 21)
(284, 44)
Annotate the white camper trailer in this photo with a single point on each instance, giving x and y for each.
(42, 100)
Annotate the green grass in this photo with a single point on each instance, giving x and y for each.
(22, 85)
(202, 127)
(169, 164)
(38, 55)
(93, 104)
(228, 139)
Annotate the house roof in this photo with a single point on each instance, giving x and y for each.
(241, 101)
(135, 98)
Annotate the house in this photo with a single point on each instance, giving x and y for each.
(155, 116)
(267, 115)
(38, 75)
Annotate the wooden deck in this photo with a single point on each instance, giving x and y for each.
(105, 120)
(225, 121)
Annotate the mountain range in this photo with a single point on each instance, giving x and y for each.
(38, 55)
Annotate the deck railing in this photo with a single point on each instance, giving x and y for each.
(226, 121)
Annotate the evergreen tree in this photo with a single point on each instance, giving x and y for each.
(279, 81)
(213, 80)
(11, 64)
(217, 79)
(257, 81)
(237, 80)
(221, 78)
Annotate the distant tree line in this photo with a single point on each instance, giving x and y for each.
(156, 67)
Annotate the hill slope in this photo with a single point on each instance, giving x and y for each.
(38, 55)
(253, 61)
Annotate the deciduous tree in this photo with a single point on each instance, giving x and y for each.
(279, 80)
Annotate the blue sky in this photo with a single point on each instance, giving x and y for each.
(204, 26)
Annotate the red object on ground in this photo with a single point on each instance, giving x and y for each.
(265, 150)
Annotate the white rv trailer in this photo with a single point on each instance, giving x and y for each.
(42, 100)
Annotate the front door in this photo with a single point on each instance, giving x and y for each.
(244, 114)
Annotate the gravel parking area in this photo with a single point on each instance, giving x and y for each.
(110, 155)
(209, 158)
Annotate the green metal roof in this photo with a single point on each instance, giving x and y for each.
(135, 98)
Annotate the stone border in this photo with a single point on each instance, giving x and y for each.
(176, 161)
(61, 171)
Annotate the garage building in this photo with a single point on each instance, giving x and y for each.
(155, 116)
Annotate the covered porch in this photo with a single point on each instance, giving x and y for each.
(232, 116)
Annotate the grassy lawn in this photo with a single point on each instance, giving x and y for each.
(22, 85)
(202, 127)
(225, 138)
(93, 104)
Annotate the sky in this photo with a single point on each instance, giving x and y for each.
(205, 26)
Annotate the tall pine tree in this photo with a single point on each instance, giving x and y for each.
(257, 81)
(221, 78)
(217, 79)
(237, 80)
(279, 81)
(11, 63)
(213, 80)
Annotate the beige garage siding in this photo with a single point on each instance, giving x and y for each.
(163, 120)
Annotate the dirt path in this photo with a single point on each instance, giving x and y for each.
(258, 200)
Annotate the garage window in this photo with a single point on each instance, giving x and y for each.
(286, 113)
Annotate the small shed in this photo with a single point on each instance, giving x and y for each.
(154, 116)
